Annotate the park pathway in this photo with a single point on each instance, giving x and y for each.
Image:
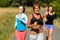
(56, 33)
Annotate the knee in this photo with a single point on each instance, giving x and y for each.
(50, 35)
(47, 34)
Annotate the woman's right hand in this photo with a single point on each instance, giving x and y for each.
(45, 19)
(34, 25)
(44, 27)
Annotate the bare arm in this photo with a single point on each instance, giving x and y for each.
(29, 20)
(44, 19)
(44, 15)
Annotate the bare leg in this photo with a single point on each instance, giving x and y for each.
(50, 34)
(47, 34)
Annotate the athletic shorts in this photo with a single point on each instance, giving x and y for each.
(49, 26)
(39, 36)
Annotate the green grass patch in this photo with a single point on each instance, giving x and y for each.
(6, 25)
(57, 24)
(7, 21)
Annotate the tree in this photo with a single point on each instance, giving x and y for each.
(5, 3)
(56, 5)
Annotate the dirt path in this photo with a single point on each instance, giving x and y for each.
(56, 34)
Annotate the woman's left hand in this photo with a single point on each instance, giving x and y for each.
(44, 28)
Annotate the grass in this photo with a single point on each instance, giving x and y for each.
(57, 24)
(6, 25)
(7, 20)
(8, 10)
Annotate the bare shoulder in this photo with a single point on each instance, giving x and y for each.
(30, 16)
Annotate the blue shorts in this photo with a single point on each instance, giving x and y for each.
(49, 26)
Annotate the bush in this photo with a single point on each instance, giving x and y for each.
(5, 3)
(56, 5)
(57, 10)
(6, 26)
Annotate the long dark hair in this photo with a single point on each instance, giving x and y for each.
(23, 9)
(52, 8)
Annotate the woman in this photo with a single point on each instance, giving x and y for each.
(20, 24)
(50, 17)
(35, 22)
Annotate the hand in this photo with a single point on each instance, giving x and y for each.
(45, 19)
(35, 25)
(38, 26)
(54, 21)
(44, 28)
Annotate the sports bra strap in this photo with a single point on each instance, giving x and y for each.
(34, 17)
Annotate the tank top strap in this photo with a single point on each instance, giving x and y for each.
(32, 15)
(41, 16)
(35, 18)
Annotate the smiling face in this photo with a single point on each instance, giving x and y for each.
(20, 9)
(36, 8)
(50, 8)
